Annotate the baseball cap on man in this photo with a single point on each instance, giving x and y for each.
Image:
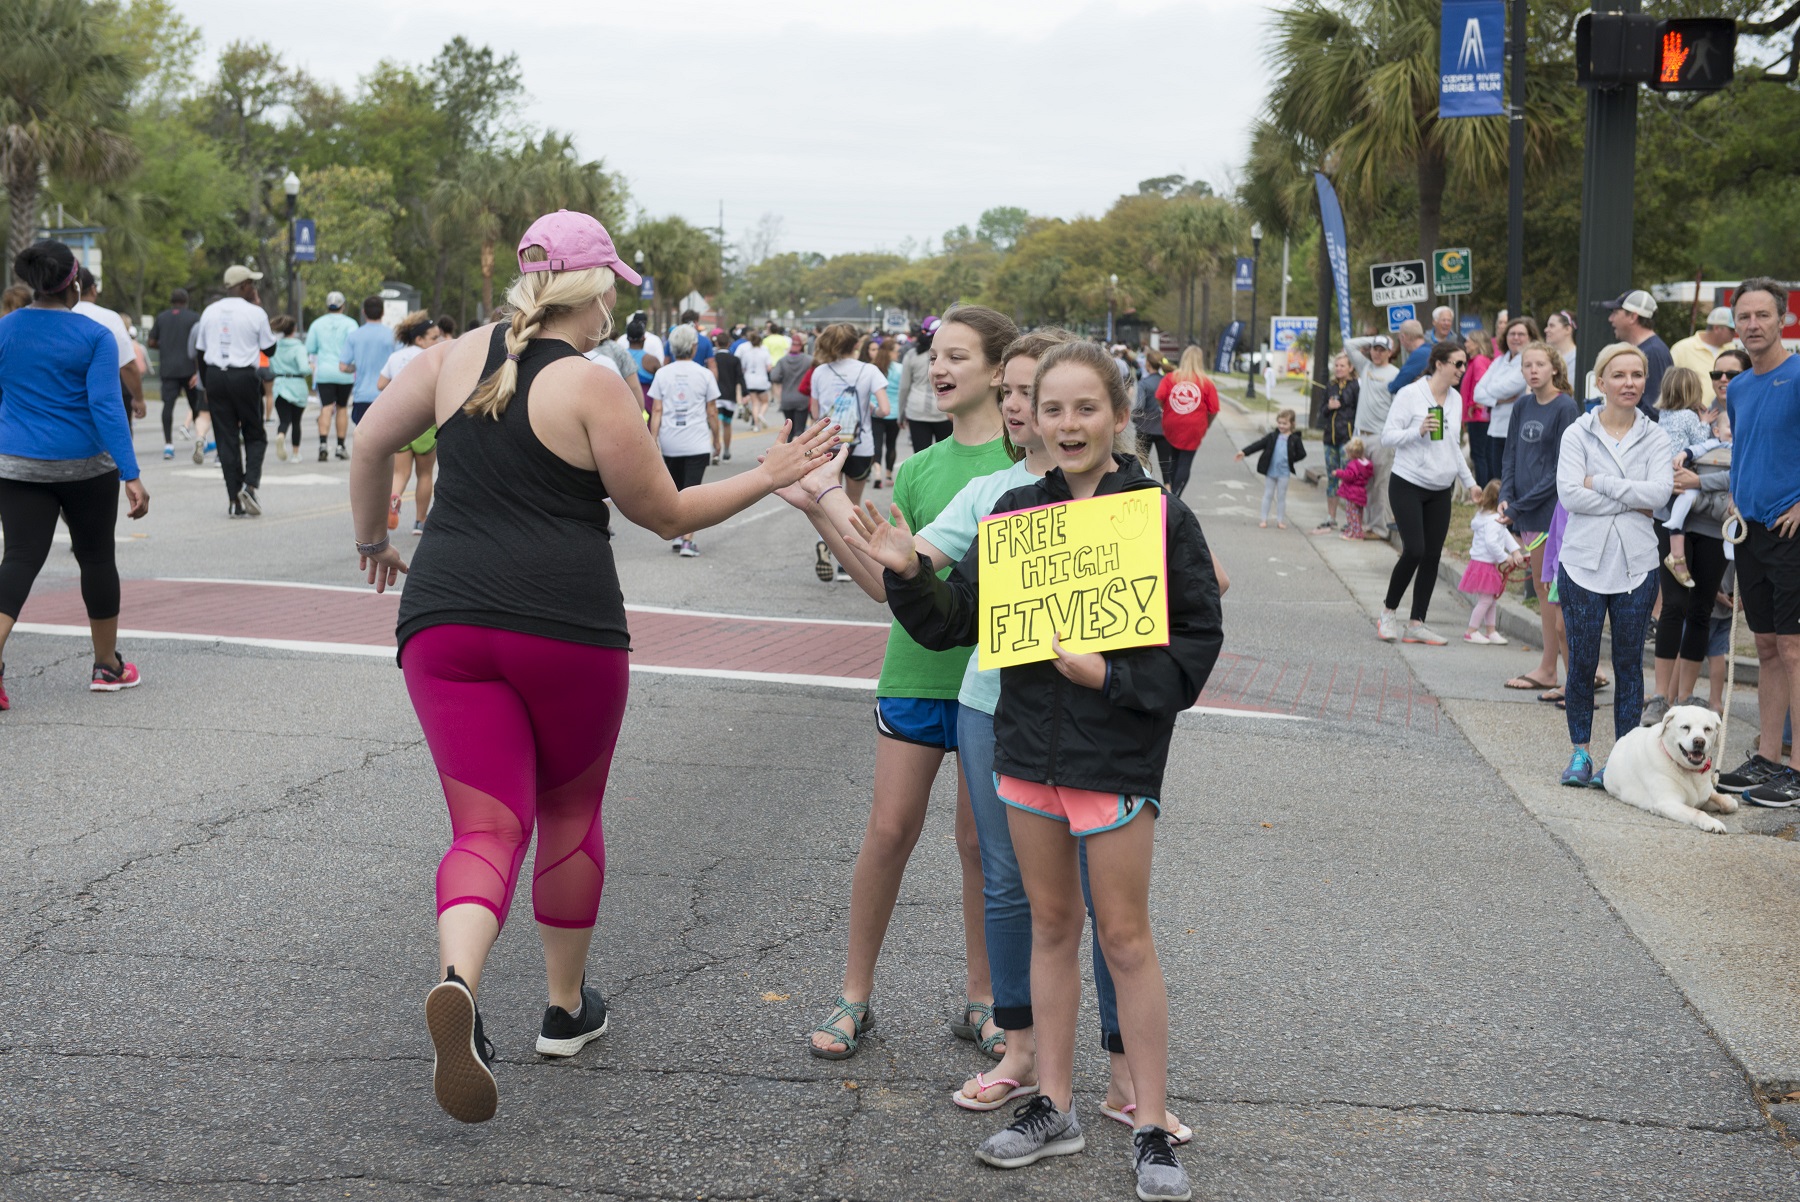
(334, 300)
(237, 273)
(1721, 317)
(1636, 301)
(573, 242)
(1382, 341)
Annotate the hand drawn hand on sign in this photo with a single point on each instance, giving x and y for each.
(889, 546)
(1085, 668)
(1131, 523)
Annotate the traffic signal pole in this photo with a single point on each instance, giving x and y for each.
(1606, 207)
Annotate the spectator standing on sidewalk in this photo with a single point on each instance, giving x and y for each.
(1630, 317)
(1443, 324)
(1503, 383)
(925, 422)
(1415, 351)
(325, 341)
(232, 335)
(1374, 375)
(1699, 350)
(1559, 332)
(1528, 493)
(1424, 429)
(178, 373)
(1340, 428)
(1484, 457)
(131, 376)
(1764, 408)
(1615, 467)
(365, 353)
(64, 447)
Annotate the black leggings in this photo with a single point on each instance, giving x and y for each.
(1177, 468)
(172, 389)
(28, 514)
(1422, 515)
(1686, 622)
(923, 434)
(887, 441)
(287, 417)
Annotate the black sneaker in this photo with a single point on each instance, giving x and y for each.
(247, 498)
(1159, 1175)
(1752, 772)
(564, 1034)
(1777, 793)
(460, 1075)
(236, 510)
(324, 455)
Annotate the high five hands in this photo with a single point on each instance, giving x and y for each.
(786, 462)
(891, 546)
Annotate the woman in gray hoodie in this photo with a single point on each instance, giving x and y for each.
(1615, 469)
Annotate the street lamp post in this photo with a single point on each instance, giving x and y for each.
(1255, 261)
(869, 300)
(291, 185)
(1112, 282)
(638, 261)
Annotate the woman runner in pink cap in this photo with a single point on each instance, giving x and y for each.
(512, 629)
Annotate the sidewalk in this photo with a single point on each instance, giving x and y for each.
(1717, 914)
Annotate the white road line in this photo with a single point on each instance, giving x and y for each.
(1231, 713)
(369, 589)
(236, 640)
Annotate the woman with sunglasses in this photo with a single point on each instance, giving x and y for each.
(1424, 428)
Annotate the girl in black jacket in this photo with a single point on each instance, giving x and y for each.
(1081, 741)
(1276, 470)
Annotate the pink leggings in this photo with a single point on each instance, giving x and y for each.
(522, 729)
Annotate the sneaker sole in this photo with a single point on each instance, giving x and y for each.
(568, 1047)
(1426, 642)
(1767, 804)
(1056, 1147)
(1181, 1197)
(251, 505)
(463, 1085)
(822, 567)
(104, 687)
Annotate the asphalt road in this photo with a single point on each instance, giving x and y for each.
(1389, 979)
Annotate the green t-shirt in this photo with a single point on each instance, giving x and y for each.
(924, 485)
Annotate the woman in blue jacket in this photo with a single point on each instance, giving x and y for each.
(64, 448)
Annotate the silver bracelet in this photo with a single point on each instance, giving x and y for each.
(372, 548)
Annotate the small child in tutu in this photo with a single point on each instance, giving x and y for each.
(1353, 487)
(1492, 553)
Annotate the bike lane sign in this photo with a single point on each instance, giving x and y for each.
(1399, 283)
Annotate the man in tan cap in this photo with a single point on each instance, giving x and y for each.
(231, 337)
(1700, 349)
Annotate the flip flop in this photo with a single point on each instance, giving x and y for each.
(1180, 1135)
(1553, 696)
(1531, 682)
(982, 1084)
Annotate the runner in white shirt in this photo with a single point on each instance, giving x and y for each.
(756, 382)
(684, 418)
(230, 338)
(131, 376)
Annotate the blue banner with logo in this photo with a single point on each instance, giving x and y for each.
(1337, 246)
(1228, 344)
(1244, 278)
(306, 240)
(1471, 58)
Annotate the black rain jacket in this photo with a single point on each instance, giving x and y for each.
(1047, 728)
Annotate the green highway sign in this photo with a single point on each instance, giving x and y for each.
(1451, 273)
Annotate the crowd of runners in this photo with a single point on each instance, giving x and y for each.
(523, 439)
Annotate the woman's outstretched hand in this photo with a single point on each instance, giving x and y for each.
(891, 546)
(384, 568)
(786, 462)
(804, 493)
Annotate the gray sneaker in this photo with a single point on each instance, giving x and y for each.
(1654, 710)
(1387, 628)
(1160, 1177)
(1418, 632)
(1038, 1130)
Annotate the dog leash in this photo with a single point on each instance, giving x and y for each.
(1733, 531)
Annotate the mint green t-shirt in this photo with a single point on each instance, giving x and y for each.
(924, 485)
(953, 532)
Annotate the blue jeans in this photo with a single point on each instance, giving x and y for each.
(1484, 452)
(1583, 615)
(1006, 914)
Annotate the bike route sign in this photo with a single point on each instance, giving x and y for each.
(1399, 283)
(1452, 272)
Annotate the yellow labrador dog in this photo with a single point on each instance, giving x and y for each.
(1668, 769)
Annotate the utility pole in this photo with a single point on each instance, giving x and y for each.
(1606, 207)
(1515, 200)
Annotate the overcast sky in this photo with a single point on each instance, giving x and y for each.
(859, 125)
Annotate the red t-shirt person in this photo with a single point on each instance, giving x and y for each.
(1189, 404)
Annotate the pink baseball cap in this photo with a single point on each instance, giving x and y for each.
(573, 242)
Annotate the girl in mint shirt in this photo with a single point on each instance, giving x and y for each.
(290, 365)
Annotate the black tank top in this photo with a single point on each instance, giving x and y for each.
(517, 539)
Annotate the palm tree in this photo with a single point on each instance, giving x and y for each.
(482, 197)
(1193, 236)
(63, 89)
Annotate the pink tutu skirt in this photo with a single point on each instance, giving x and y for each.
(1482, 580)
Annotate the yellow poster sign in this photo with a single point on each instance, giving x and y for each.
(1091, 572)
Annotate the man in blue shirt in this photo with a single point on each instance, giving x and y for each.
(1417, 349)
(366, 353)
(703, 355)
(1764, 407)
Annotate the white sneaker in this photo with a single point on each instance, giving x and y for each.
(688, 550)
(1475, 636)
(1498, 639)
(1418, 632)
(1387, 628)
(281, 448)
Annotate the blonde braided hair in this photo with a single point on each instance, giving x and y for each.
(536, 297)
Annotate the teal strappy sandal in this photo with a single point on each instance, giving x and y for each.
(983, 1014)
(862, 1021)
